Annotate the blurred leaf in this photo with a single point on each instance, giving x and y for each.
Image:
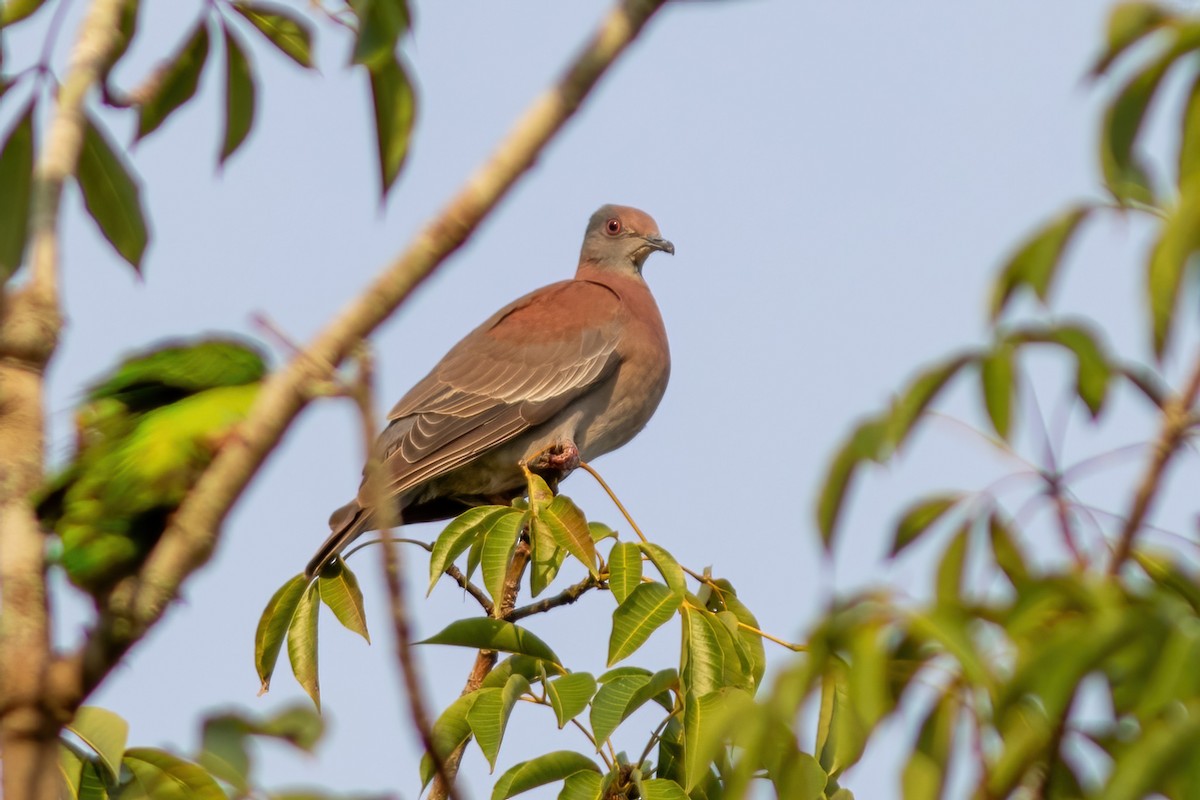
(951, 567)
(1175, 249)
(488, 716)
(1127, 24)
(493, 634)
(644, 611)
(948, 627)
(1093, 371)
(920, 517)
(340, 591)
(1163, 570)
(158, 775)
(659, 789)
(569, 528)
(912, 401)
(840, 736)
(16, 183)
(92, 785)
(126, 30)
(1006, 551)
(105, 733)
(285, 30)
(624, 569)
(302, 643)
(544, 769)
(609, 706)
(666, 565)
(380, 25)
(586, 785)
(450, 731)
(570, 695)
(924, 776)
(273, 627)
(1025, 734)
(1189, 141)
(239, 95)
(499, 542)
(395, 110)
(460, 534)
(998, 383)
(867, 441)
(176, 84)
(14, 11)
(1036, 261)
(70, 770)
(868, 684)
(111, 195)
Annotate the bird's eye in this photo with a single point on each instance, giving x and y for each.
(613, 226)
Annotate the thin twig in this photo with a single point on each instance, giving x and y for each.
(563, 598)
(189, 539)
(1176, 417)
(394, 570)
(654, 739)
(453, 571)
(616, 501)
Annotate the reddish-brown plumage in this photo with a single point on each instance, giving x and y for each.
(582, 364)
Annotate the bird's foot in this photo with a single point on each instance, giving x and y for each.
(555, 462)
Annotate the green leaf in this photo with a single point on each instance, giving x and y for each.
(1175, 249)
(273, 627)
(710, 657)
(126, 30)
(1036, 262)
(70, 769)
(162, 776)
(16, 183)
(865, 442)
(752, 642)
(624, 569)
(998, 383)
(499, 542)
(920, 517)
(659, 789)
(92, 785)
(1006, 551)
(105, 733)
(704, 725)
(449, 732)
(644, 611)
(600, 531)
(910, 405)
(493, 634)
(545, 558)
(610, 704)
(840, 736)
(666, 565)
(176, 84)
(569, 529)
(1189, 140)
(111, 195)
(570, 695)
(544, 769)
(1127, 24)
(302, 643)
(239, 95)
(924, 776)
(380, 25)
(488, 717)
(585, 785)
(1166, 745)
(339, 590)
(951, 567)
(947, 627)
(395, 110)
(1124, 174)
(1093, 371)
(282, 28)
(16, 10)
(459, 535)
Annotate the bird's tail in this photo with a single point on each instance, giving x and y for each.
(347, 523)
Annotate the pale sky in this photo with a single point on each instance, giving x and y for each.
(840, 180)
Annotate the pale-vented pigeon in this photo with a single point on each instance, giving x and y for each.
(569, 372)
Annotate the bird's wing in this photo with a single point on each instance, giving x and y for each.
(517, 370)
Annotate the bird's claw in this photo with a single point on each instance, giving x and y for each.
(555, 462)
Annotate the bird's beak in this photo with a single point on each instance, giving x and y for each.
(659, 243)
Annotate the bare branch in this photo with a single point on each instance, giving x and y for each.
(564, 598)
(189, 539)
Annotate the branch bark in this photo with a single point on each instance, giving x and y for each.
(188, 541)
(30, 321)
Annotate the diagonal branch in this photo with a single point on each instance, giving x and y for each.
(189, 540)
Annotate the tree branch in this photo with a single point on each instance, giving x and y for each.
(1177, 420)
(30, 321)
(564, 598)
(189, 539)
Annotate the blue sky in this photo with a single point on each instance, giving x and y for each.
(840, 180)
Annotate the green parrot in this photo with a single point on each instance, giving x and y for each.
(144, 434)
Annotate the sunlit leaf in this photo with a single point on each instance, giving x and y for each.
(449, 731)
(586, 785)
(569, 528)
(176, 84)
(493, 634)
(624, 569)
(544, 769)
(488, 716)
(16, 182)
(705, 719)
(659, 789)
(339, 590)
(644, 611)
(282, 28)
(920, 517)
(570, 695)
(105, 733)
(460, 534)
(162, 776)
(239, 95)
(302, 643)
(610, 704)
(111, 195)
(70, 769)
(600, 531)
(1035, 263)
(273, 627)
(499, 542)
(666, 565)
(395, 110)
(726, 598)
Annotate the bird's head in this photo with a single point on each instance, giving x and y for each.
(622, 238)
